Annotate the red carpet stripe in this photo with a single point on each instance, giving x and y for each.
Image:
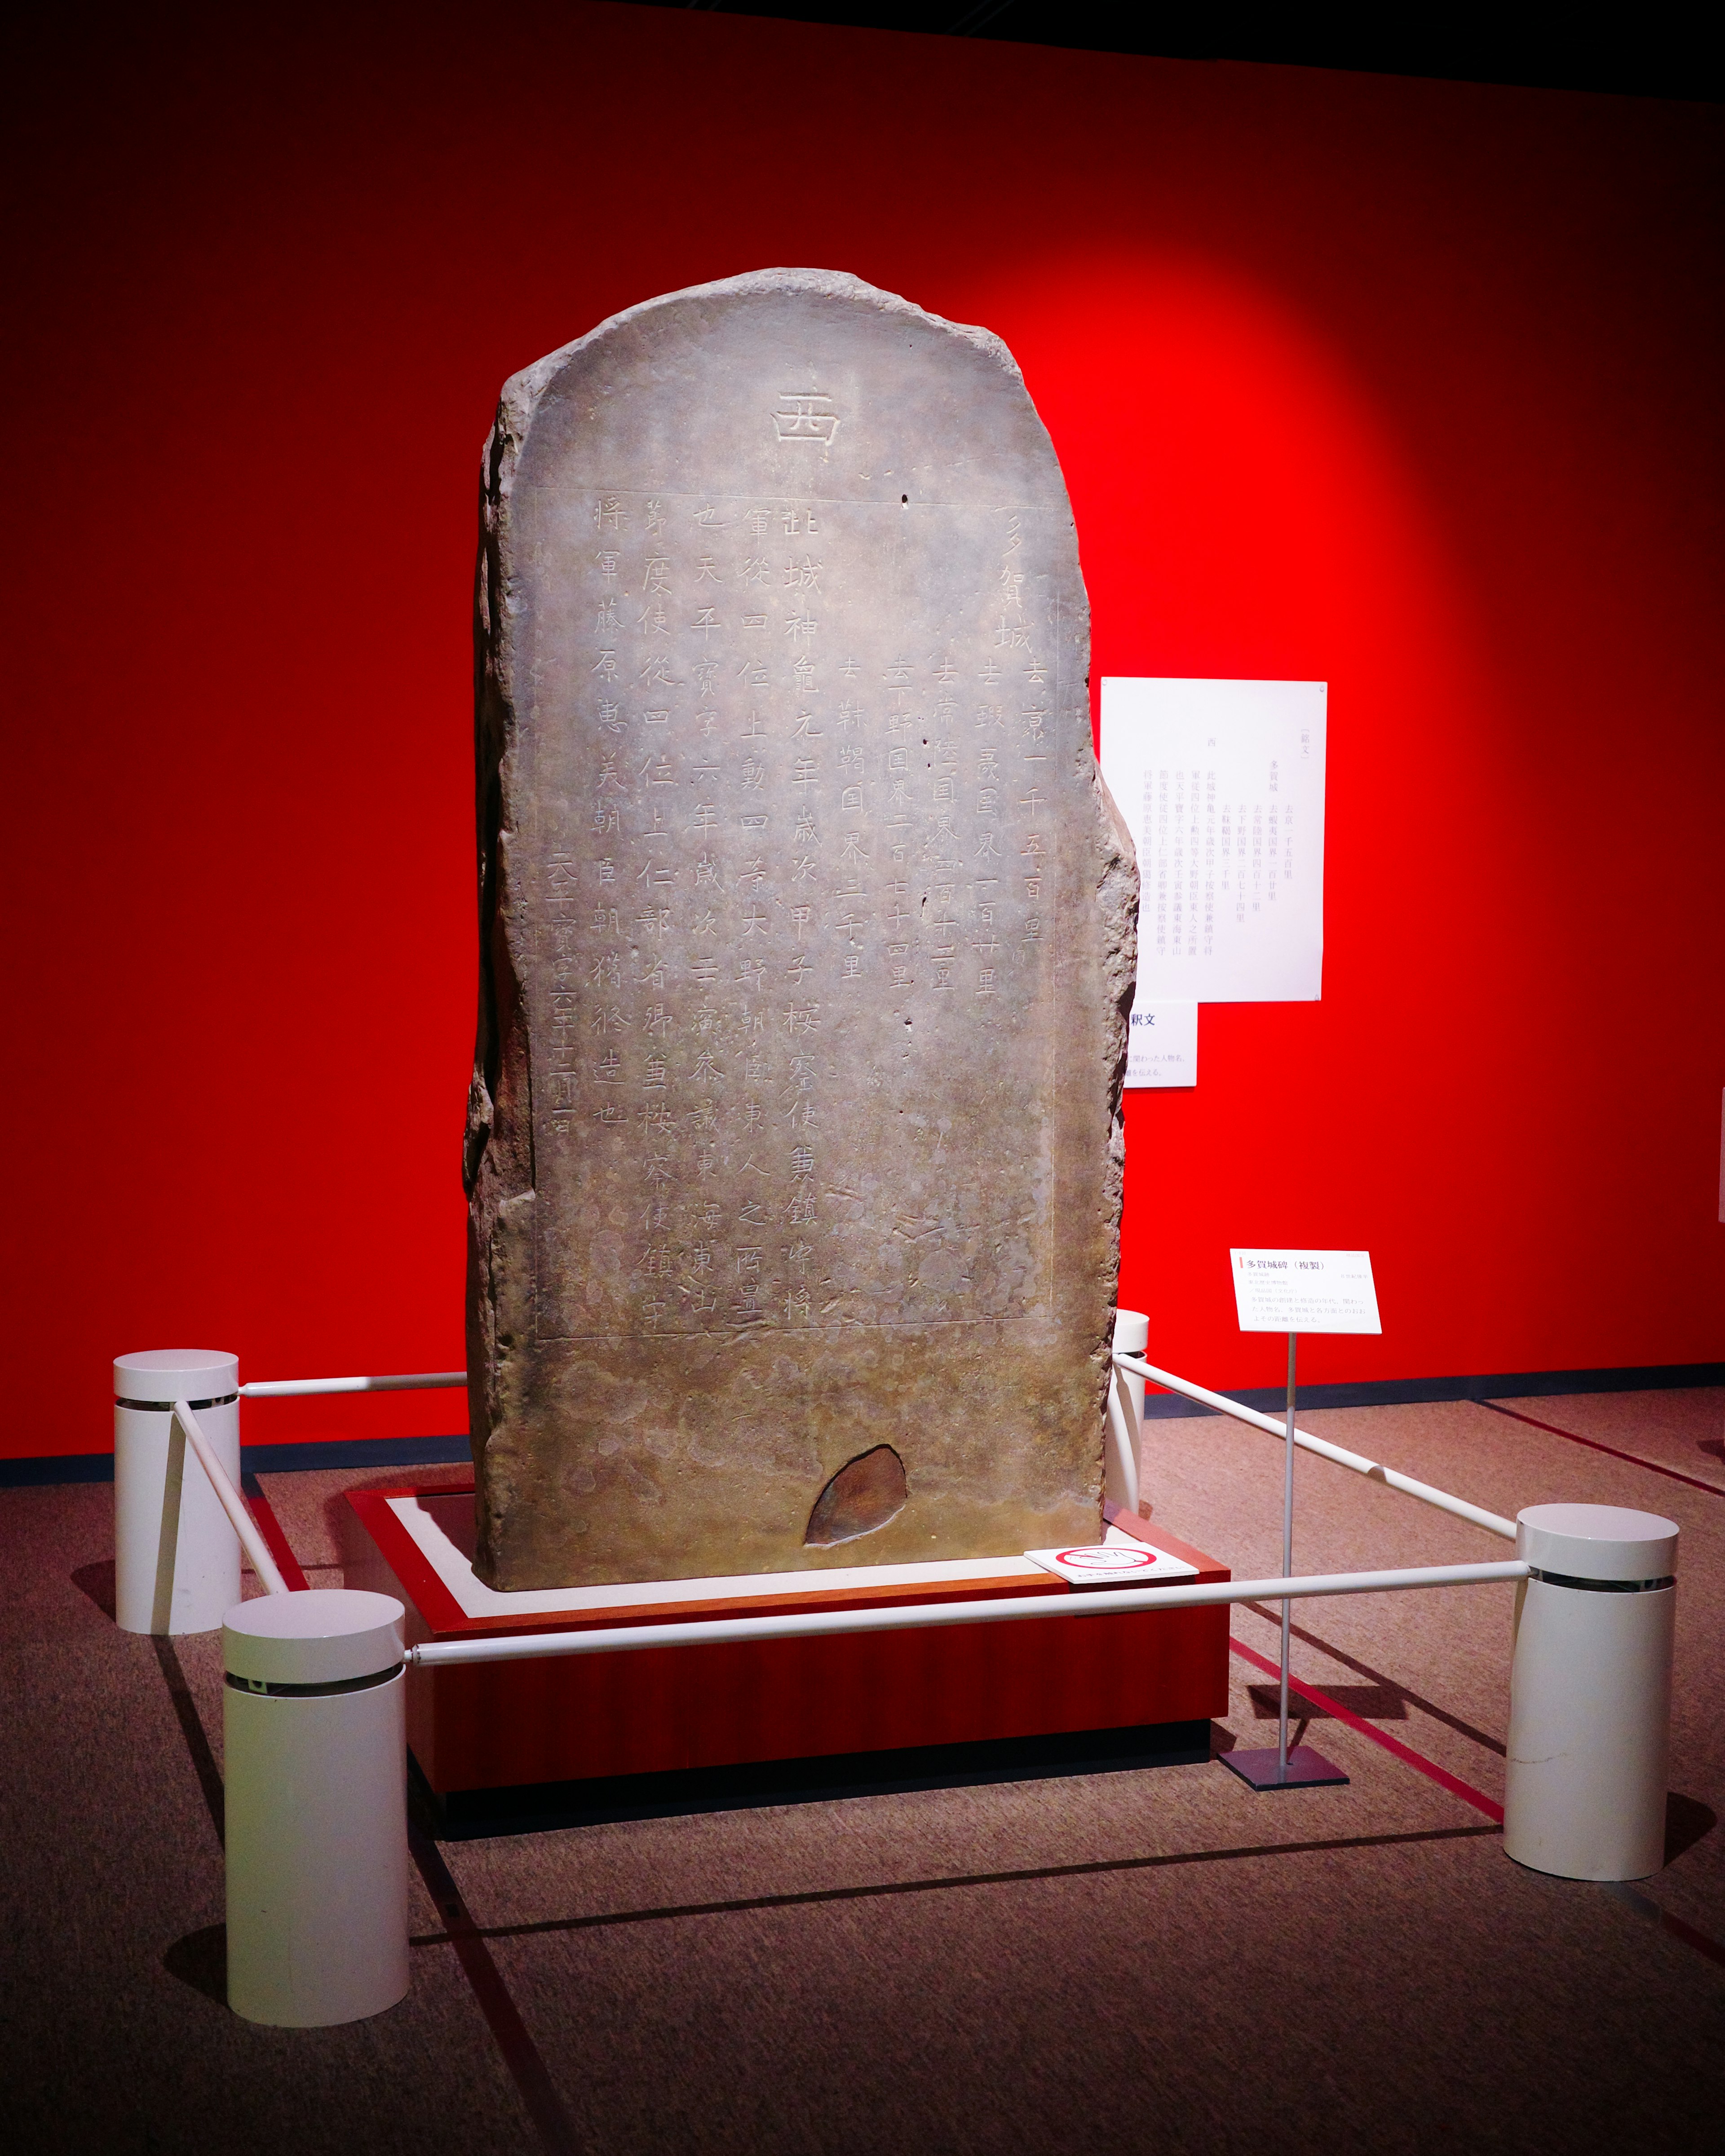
(1646, 1907)
(1642, 1904)
(270, 1528)
(1421, 1765)
(1593, 1444)
(522, 2055)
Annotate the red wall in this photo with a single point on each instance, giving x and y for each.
(1410, 387)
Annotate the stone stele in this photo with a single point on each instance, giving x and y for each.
(806, 936)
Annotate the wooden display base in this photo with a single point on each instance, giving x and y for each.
(758, 1722)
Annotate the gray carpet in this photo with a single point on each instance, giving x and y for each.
(1135, 1961)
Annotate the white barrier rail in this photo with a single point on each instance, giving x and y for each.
(414, 1381)
(1493, 1523)
(232, 1503)
(1108, 1602)
(261, 1388)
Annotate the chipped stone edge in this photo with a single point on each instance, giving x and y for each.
(521, 393)
(1118, 889)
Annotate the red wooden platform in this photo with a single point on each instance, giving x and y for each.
(590, 1717)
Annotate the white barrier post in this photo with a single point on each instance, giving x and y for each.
(175, 1561)
(1590, 1691)
(1126, 1414)
(316, 1743)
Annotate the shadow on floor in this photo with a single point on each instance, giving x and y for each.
(201, 1960)
(1408, 1697)
(1371, 1702)
(96, 1581)
(1687, 1821)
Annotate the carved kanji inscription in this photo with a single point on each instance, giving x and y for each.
(806, 944)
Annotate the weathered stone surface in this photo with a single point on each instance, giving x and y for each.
(807, 939)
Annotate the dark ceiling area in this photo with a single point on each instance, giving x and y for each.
(1644, 53)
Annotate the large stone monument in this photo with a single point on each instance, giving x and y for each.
(806, 946)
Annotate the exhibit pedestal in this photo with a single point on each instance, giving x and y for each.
(506, 1745)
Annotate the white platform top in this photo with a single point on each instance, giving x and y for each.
(1597, 1541)
(323, 1635)
(168, 1374)
(475, 1599)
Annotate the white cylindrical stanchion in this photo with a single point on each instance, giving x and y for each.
(316, 1807)
(1131, 1337)
(1126, 1420)
(175, 1557)
(1590, 1691)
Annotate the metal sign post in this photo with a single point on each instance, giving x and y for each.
(1328, 1292)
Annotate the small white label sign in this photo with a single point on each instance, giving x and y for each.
(1305, 1291)
(1162, 1044)
(1110, 1564)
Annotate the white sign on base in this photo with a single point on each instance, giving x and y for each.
(1296, 1291)
(1110, 1564)
(1305, 1291)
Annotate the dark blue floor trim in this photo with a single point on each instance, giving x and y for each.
(1499, 1385)
(1268, 1399)
(56, 1468)
(254, 1459)
(357, 1452)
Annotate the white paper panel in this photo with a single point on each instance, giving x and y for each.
(1223, 785)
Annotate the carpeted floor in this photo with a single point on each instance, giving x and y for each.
(1132, 1961)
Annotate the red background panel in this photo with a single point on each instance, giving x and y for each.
(1408, 387)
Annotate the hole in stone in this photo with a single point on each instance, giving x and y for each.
(865, 1494)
